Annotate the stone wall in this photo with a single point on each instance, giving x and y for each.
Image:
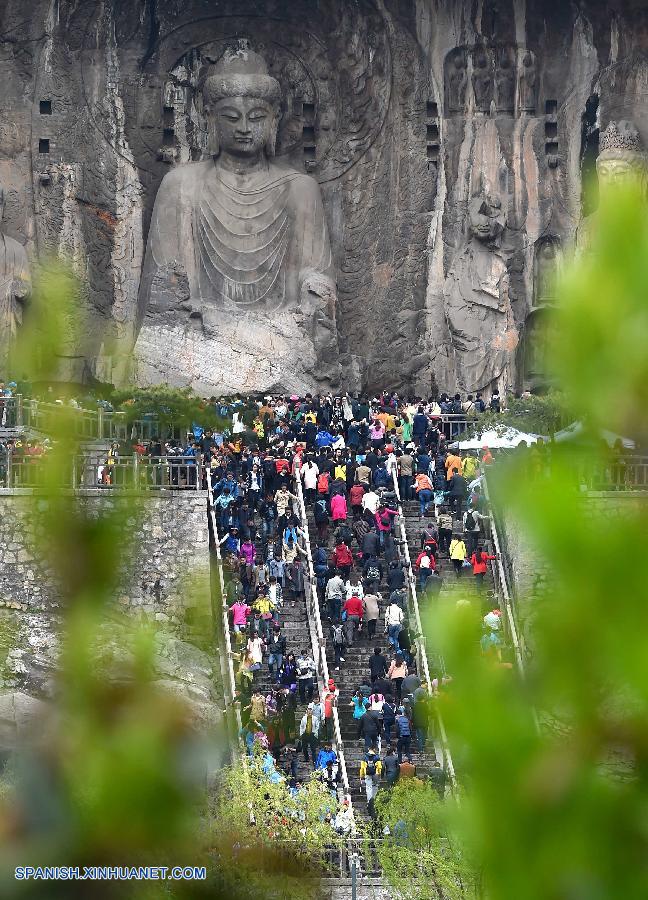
(531, 571)
(169, 539)
(168, 533)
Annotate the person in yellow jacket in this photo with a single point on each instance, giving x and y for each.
(470, 467)
(458, 554)
(371, 770)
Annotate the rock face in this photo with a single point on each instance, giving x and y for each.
(396, 113)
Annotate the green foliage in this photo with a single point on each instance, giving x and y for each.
(550, 812)
(421, 857)
(537, 414)
(179, 407)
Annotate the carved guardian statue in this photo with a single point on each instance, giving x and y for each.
(15, 285)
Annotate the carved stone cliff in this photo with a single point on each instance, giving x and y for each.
(402, 111)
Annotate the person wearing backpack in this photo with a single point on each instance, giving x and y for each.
(321, 516)
(310, 473)
(370, 771)
(338, 641)
(323, 485)
(320, 566)
(495, 402)
(393, 622)
(372, 572)
(471, 526)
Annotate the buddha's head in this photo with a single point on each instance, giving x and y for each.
(242, 102)
(486, 218)
(621, 159)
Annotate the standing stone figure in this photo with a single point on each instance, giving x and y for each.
(621, 160)
(15, 285)
(482, 79)
(505, 79)
(545, 272)
(527, 83)
(456, 80)
(238, 286)
(477, 305)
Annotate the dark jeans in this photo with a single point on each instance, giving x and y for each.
(334, 605)
(445, 536)
(309, 740)
(458, 566)
(338, 650)
(421, 737)
(397, 684)
(352, 623)
(405, 487)
(387, 728)
(371, 628)
(472, 540)
(479, 580)
(456, 504)
(371, 741)
(404, 744)
(305, 688)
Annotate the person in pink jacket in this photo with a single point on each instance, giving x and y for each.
(338, 508)
(240, 612)
(248, 553)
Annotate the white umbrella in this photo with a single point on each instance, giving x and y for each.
(578, 432)
(497, 439)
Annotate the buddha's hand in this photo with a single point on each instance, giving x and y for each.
(314, 284)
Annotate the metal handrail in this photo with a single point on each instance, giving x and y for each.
(317, 637)
(500, 580)
(421, 650)
(229, 677)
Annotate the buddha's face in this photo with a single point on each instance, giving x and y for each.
(244, 125)
(615, 172)
(486, 219)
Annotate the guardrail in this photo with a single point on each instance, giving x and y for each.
(503, 589)
(421, 649)
(24, 414)
(97, 470)
(318, 641)
(625, 473)
(226, 655)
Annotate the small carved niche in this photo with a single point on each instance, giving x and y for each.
(432, 133)
(43, 145)
(168, 137)
(45, 107)
(308, 112)
(551, 107)
(432, 110)
(551, 130)
(168, 117)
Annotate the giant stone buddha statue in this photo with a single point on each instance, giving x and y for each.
(238, 287)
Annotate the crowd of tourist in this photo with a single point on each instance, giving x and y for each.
(351, 457)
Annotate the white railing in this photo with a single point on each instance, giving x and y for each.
(502, 590)
(318, 641)
(421, 650)
(226, 655)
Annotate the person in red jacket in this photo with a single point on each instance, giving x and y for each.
(353, 610)
(342, 559)
(355, 496)
(479, 561)
(425, 564)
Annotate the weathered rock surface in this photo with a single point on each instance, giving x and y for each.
(401, 110)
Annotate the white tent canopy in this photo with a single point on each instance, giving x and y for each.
(579, 433)
(497, 439)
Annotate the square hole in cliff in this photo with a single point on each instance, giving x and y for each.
(551, 147)
(432, 109)
(551, 107)
(432, 132)
(308, 134)
(168, 116)
(310, 153)
(308, 110)
(45, 107)
(168, 137)
(432, 152)
(43, 145)
(551, 130)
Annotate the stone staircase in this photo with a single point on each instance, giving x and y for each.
(353, 673)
